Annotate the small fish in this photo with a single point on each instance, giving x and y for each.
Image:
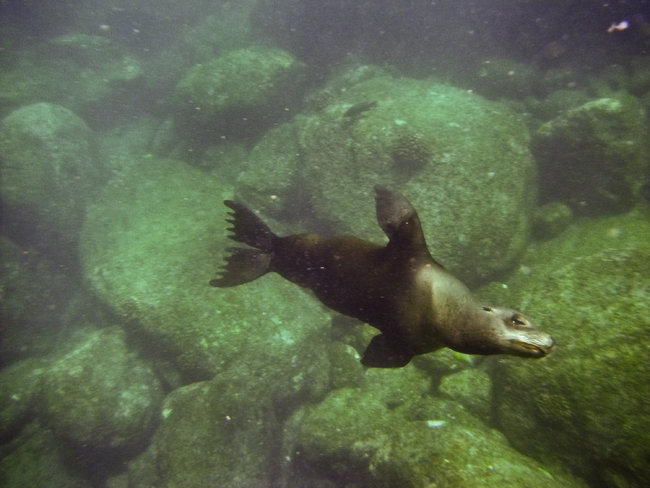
(618, 26)
(358, 108)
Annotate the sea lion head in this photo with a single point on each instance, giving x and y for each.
(511, 332)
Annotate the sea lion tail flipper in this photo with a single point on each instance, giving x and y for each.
(249, 228)
(384, 353)
(243, 264)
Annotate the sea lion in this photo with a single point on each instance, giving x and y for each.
(398, 288)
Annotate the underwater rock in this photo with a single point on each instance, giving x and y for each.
(593, 156)
(410, 153)
(586, 405)
(501, 77)
(557, 102)
(20, 385)
(551, 219)
(392, 432)
(152, 241)
(49, 173)
(240, 92)
(640, 79)
(265, 182)
(100, 395)
(222, 432)
(87, 74)
(34, 459)
(35, 293)
(471, 387)
(461, 160)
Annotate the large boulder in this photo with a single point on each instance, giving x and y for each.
(20, 388)
(100, 395)
(49, 173)
(243, 90)
(461, 160)
(586, 404)
(594, 157)
(35, 295)
(394, 432)
(223, 432)
(34, 459)
(107, 82)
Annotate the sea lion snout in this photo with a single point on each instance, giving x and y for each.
(535, 350)
(519, 336)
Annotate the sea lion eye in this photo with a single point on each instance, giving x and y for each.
(488, 309)
(517, 321)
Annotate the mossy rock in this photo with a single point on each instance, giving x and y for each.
(222, 432)
(101, 395)
(50, 171)
(35, 458)
(505, 78)
(593, 157)
(585, 405)
(392, 432)
(243, 88)
(87, 74)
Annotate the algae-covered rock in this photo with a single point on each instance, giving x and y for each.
(393, 433)
(34, 459)
(593, 157)
(266, 181)
(34, 294)
(87, 74)
(151, 243)
(49, 172)
(558, 101)
(218, 433)
(100, 395)
(243, 87)
(501, 77)
(551, 219)
(586, 404)
(461, 160)
(471, 387)
(20, 386)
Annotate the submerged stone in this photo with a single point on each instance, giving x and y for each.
(100, 395)
(222, 432)
(49, 173)
(593, 157)
(368, 437)
(34, 459)
(243, 89)
(589, 288)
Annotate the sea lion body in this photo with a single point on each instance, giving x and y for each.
(398, 288)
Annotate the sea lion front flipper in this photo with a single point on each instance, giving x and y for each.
(399, 220)
(384, 353)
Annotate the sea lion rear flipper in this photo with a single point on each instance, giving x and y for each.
(384, 353)
(243, 265)
(248, 227)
